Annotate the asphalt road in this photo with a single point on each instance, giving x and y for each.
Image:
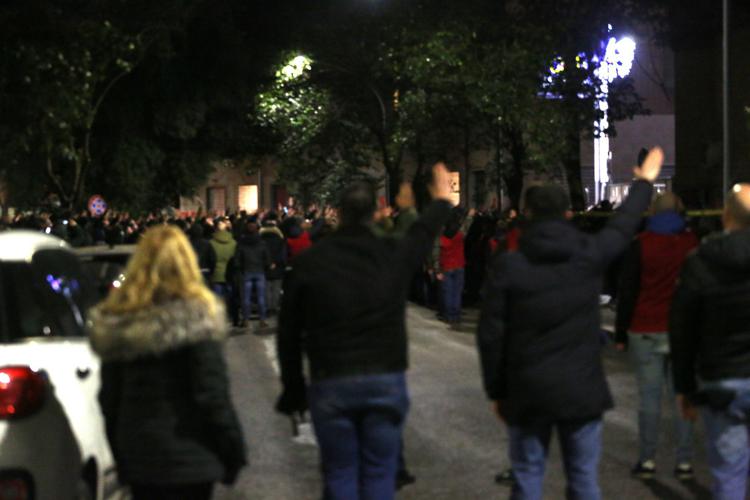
(454, 445)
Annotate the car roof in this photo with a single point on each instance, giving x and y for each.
(21, 245)
(104, 250)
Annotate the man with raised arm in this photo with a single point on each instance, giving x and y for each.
(344, 305)
(539, 335)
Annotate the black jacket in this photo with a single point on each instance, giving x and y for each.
(276, 245)
(165, 394)
(347, 296)
(206, 255)
(709, 327)
(539, 332)
(251, 255)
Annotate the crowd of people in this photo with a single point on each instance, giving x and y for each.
(339, 280)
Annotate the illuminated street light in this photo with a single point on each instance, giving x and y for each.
(295, 68)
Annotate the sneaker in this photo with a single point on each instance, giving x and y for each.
(644, 470)
(684, 472)
(506, 477)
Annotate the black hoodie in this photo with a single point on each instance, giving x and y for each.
(709, 326)
(539, 331)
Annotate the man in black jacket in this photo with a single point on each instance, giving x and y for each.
(709, 334)
(252, 259)
(347, 297)
(539, 335)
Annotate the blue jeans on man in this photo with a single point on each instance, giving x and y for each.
(580, 443)
(452, 289)
(224, 291)
(253, 282)
(358, 422)
(653, 369)
(727, 440)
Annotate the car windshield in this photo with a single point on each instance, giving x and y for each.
(47, 297)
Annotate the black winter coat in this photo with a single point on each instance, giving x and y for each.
(165, 394)
(709, 327)
(206, 255)
(251, 255)
(539, 333)
(347, 296)
(277, 251)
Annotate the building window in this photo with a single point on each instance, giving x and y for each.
(456, 188)
(216, 199)
(248, 198)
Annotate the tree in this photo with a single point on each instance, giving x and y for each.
(55, 81)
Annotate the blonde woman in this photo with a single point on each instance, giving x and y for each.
(164, 395)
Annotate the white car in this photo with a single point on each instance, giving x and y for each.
(52, 439)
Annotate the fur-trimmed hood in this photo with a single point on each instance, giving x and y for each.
(155, 329)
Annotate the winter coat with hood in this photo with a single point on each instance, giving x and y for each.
(277, 250)
(539, 331)
(709, 326)
(165, 393)
(224, 246)
(252, 254)
(648, 275)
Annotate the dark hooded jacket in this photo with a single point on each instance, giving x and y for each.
(252, 254)
(165, 394)
(539, 331)
(709, 327)
(344, 302)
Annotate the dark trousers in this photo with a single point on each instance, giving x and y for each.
(190, 491)
(358, 422)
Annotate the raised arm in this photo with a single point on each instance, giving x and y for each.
(619, 231)
(417, 243)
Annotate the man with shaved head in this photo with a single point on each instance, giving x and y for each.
(709, 333)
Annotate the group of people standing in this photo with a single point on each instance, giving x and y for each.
(343, 308)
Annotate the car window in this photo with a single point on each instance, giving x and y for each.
(47, 297)
(106, 271)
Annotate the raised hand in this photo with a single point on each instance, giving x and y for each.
(651, 167)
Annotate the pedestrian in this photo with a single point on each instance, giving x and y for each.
(224, 246)
(344, 301)
(204, 251)
(298, 239)
(709, 338)
(164, 389)
(539, 335)
(451, 262)
(252, 259)
(648, 278)
(277, 249)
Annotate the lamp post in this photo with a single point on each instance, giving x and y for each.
(725, 99)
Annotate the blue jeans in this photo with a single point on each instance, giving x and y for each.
(250, 282)
(452, 288)
(224, 291)
(653, 370)
(580, 442)
(358, 422)
(727, 440)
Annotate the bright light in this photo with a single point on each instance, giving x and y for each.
(616, 63)
(294, 68)
(116, 283)
(4, 378)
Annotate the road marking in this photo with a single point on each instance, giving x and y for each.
(270, 344)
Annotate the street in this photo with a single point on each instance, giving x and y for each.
(454, 444)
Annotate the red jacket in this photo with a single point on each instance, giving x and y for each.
(662, 256)
(452, 252)
(297, 245)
